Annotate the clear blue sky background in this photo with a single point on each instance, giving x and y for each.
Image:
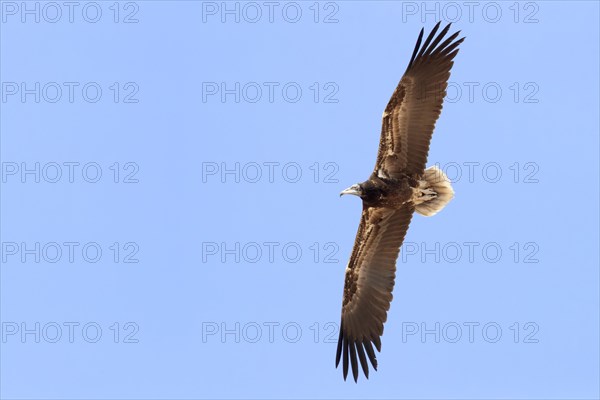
(495, 297)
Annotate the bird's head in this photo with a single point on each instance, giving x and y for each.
(356, 190)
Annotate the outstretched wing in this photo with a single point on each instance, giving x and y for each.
(368, 286)
(415, 106)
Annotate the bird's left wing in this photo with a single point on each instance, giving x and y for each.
(415, 106)
(368, 284)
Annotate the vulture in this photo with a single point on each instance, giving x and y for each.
(398, 186)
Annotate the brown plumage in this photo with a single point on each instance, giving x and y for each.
(398, 186)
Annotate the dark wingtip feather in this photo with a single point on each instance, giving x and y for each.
(362, 358)
(377, 343)
(370, 353)
(414, 54)
(353, 361)
(338, 353)
(345, 362)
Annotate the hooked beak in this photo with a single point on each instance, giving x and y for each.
(354, 189)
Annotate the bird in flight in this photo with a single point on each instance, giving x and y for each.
(399, 186)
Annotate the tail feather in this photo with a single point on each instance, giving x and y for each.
(433, 193)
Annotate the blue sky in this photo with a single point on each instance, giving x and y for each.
(171, 226)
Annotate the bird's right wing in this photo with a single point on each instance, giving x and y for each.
(368, 284)
(411, 114)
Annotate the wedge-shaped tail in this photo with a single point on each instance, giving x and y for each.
(433, 193)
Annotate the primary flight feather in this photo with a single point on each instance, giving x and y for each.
(398, 186)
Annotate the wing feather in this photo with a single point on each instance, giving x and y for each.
(369, 283)
(415, 106)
